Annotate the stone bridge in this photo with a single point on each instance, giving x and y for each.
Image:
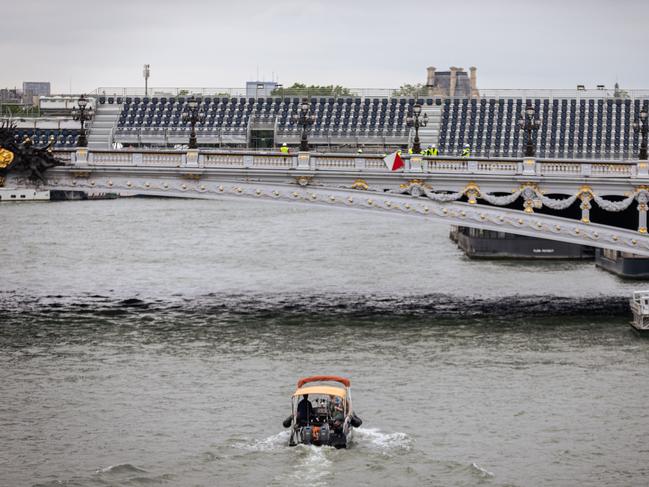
(601, 204)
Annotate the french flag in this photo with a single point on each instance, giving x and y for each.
(393, 161)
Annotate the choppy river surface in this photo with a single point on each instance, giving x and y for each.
(147, 342)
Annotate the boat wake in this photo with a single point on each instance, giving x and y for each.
(312, 466)
(273, 442)
(121, 469)
(482, 472)
(373, 438)
(370, 438)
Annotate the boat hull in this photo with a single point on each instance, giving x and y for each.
(640, 331)
(305, 436)
(640, 308)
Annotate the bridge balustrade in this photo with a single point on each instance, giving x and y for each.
(356, 162)
(586, 169)
(498, 167)
(162, 159)
(223, 160)
(559, 168)
(272, 162)
(111, 158)
(336, 163)
(437, 166)
(614, 170)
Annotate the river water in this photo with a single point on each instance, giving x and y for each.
(147, 341)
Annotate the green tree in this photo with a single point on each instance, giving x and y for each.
(409, 90)
(300, 89)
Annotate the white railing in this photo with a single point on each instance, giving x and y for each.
(238, 92)
(162, 159)
(497, 167)
(447, 166)
(223, 160)
(336, 163)
(357, 162)
(619, 170)
(589, 93)
(553, 168)
(111, 158)
(272, 161)
(375, 164)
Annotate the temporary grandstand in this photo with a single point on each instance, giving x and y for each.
(576, 124)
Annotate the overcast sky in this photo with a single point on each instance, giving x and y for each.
(83, 44)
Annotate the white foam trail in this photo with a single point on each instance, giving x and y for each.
(484, 472)
(273, 442)
(120, 468)
(373, 437)
(314, 464)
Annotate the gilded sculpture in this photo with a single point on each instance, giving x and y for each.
(24, 157)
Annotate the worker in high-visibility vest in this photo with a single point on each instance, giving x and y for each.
(410, 150)
(433, 151)
(466, 152)
(284, 148)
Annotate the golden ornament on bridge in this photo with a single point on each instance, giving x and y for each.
(6, 156)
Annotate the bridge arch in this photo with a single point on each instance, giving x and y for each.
(413, 199)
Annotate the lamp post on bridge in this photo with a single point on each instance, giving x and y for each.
(529, 125)
(304, 119)
(146, 72)
(82, 113)
(640, 126)
(193, 114)
(416, 120)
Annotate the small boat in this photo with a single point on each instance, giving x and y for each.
(640, 308)
(321, 413)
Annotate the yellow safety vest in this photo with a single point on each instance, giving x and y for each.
(410, 151)
(434, 151)
(466, 152)
(284, 149)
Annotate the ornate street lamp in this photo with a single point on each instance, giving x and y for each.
(416, 120)
(529, 125)
(640, 126)
(193, 114)
(304, 119)
(82, 113)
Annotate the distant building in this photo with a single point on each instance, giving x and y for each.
(454, 82)
(12, 96)
(255, 89)
(33, 89)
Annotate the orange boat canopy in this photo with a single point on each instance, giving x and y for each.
(323, 390)
(321, 378)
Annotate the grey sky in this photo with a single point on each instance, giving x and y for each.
(376, 44)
